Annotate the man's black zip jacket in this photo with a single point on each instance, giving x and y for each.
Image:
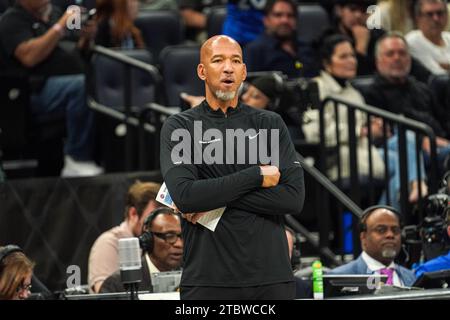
(249, 246)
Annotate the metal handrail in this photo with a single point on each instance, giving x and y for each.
(126, 115)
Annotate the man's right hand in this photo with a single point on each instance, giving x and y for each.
(271, 176)
(63, 19)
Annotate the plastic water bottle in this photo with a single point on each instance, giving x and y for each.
(317, 280)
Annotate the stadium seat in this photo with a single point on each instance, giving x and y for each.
(312, 21)
(160, 29)
(179, 71)
(109, 80)
(214, 20)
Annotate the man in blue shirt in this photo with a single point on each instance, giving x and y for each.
(439, 263)
(278, 48)
(244, 20)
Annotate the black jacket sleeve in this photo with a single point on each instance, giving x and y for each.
(112, 284)
(193, 195)
(288, 196)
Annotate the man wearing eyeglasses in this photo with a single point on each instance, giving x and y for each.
(163, 250)
(104, 254)
(430, 43)
(381, 242)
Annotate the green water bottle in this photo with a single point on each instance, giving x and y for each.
(317, 277)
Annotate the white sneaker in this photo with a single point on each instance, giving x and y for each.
(73, 168)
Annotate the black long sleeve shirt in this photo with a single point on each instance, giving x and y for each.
(249, 246)
(413, 99)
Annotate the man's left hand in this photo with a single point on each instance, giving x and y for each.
(193, 217)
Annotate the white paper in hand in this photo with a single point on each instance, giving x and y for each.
(164, 197)
(211, 218)
(208, 220)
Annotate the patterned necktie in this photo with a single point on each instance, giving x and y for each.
(390, 273)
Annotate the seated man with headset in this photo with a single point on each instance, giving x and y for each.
(162, 247)
(380, 235)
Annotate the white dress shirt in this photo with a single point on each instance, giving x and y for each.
(151, 267)
(375, 266)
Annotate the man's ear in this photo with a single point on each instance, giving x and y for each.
(245, 73)
(362, 239)
(133, 214)
(201, 71)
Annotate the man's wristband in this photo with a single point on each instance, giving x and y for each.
(57, 27)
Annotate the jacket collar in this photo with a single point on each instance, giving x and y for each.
(330, 83)
(218, 113)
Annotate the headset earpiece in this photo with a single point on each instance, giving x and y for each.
(7, 250)
(146, 240)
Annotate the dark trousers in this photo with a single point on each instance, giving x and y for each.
(277, 291)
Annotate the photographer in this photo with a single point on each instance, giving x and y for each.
(441, 262)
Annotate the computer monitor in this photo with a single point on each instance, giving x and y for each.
(435, 279)
(337, 285)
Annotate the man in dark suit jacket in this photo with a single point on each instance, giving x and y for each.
(162, 250)
(381, 242)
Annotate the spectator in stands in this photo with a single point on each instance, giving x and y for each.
(162, 246)
(116, 24)
(30, 47)
(16, 272)
(439, 263)
(338, 70)
(380, 235)
(278, 48)
(396, 91)
(158, 5)
(430, 44)
(104, 255)
(244, 22)
(350, 20)
(339, 66)
(398, 15)
(195, 17)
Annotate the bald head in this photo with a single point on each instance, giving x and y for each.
(381, 235)
(207, 47)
